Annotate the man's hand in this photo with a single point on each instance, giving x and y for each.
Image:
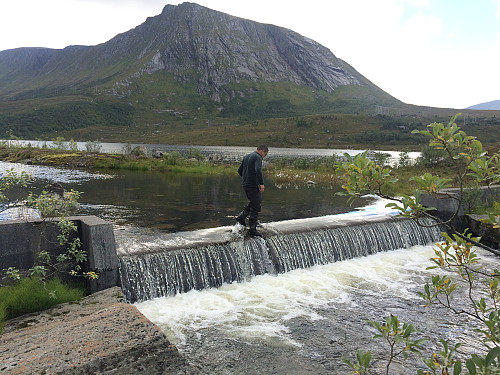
(261, 188)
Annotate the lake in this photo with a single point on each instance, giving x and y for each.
(181, 202)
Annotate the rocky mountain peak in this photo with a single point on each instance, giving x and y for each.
(221, 49)
(220, 56)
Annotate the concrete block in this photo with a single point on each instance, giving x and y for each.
(21, 240)
(488, 234)
(98, 239)
(447, 204)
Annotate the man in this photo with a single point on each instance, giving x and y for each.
(252, 181)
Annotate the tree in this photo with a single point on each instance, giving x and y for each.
(49, 204)
(470, 164)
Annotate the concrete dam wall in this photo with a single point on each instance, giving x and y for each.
(21, 240)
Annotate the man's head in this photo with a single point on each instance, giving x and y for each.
(262, 150)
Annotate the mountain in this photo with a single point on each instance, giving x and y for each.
(188, 65)
(493, 105)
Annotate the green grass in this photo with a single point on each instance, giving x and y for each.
(131, 163)
(30, 295)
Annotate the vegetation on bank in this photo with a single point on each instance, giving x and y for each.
(29, 295)
(460, 270)
(29, 290)
(135, 160)
(283, 170)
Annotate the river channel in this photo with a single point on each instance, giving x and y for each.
(181, 202)
(302, 322)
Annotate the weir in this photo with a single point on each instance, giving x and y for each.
(168, 264)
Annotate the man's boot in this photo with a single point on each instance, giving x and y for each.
(241, 217)
(253, 229)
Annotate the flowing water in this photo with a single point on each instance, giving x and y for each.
(161, 266)
(297, 303)
(307, 320)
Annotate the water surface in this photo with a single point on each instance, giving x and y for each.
(181, 202)
(307, 320)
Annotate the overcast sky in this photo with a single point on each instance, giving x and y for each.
(440, 53)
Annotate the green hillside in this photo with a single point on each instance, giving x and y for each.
(196, 76)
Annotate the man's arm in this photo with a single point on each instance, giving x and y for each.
(258, 173)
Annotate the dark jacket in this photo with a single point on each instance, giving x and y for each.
(250, 170)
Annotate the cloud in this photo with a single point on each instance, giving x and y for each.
(421, 27)
(59, 23)
(417, 3)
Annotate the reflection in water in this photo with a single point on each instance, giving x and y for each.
(175, 202)
(179, 202)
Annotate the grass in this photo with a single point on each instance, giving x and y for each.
(58, 157)
(282, 171)
(132, 163)
(30, 295)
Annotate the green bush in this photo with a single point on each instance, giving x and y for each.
(31, 295)
(172, 158)
(432, 156)
(2, 319)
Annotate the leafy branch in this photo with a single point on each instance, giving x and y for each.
(455, 255)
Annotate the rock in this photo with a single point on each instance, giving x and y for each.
(97, 335)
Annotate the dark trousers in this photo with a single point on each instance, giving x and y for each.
(254, 204)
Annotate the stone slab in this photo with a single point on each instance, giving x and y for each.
(97, 335)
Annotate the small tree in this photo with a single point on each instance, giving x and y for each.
(48, 205)
(8, 182)
(469, 163)
(93, 146)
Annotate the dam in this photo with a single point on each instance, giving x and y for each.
(169, 264)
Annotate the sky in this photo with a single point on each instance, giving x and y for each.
(438, 53)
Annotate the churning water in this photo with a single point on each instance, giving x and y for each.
(312, 311)
(267, 314)
(167, 266)
(306, 320)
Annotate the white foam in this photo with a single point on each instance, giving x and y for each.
(260, 308)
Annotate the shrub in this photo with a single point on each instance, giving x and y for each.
(432, 156)
(195, 154)
(301, 163)
(172, 158)
(94, 147)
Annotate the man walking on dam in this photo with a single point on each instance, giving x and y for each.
(252, 181)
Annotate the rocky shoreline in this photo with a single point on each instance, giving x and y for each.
(100, 334)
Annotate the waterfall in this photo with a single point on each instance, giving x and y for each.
(151, 275)
(306, 249)
(168, 270)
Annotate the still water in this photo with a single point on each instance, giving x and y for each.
(179, 202)
(225, 153)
